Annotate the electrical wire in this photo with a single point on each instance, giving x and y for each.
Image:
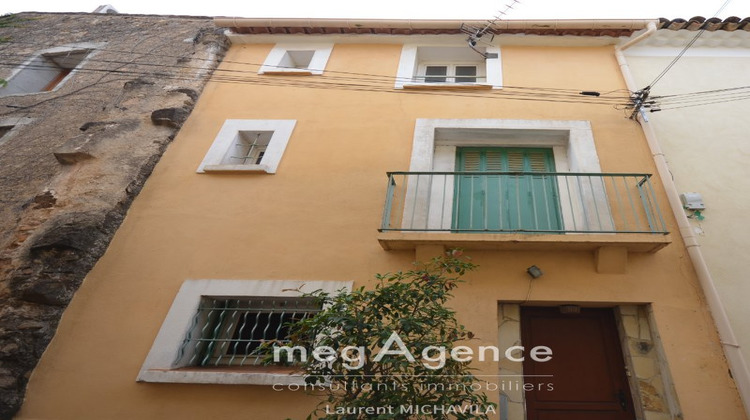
(704, 92)
(287, 83)
(690, 44)
(377, 82)
(707, 103)
(706, 97)
(738, 95)
(247, 77)
(329, 73)
(369, 82)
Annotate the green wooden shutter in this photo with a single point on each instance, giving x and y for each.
(509, 202)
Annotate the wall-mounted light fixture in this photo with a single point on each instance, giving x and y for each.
(535, 272)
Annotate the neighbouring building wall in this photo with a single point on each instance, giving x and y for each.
(73, 158)
(704, 138)
(316, 219)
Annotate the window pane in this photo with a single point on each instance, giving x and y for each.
(466, 74)
(432, 71)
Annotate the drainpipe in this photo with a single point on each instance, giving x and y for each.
(732, 350)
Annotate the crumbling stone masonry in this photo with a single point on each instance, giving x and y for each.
(72, 159)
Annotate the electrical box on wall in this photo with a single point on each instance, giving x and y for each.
(692, 201)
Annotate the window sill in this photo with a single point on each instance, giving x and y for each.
(447, 86)
(254, 375)
(288, 73)
(236, 169)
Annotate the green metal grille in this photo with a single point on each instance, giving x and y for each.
(231, 331)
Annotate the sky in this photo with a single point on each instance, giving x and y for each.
(403, 9)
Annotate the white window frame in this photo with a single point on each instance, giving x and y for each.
(451, 71)
(273, 63)
(434, 150)
(12, 88)
(411, 65)
(214, 160)
(160, 366)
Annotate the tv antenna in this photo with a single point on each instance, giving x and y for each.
(476, 33)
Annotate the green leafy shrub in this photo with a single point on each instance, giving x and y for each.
(362, 323)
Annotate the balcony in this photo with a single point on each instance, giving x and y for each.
(522, 211)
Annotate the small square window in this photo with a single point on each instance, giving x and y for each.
(297, 59)
(248, 146)
(231, 332)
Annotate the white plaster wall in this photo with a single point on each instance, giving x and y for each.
(708, 150)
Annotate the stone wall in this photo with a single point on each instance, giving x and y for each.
(651, 382)
(73, 159)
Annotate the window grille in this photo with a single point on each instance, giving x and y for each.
(249, 148)
(230, 332)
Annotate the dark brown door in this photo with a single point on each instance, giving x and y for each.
(585, 379)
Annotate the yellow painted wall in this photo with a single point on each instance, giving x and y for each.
(317, 219)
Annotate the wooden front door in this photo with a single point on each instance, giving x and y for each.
(587, 370)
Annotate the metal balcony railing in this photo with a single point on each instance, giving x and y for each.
(521, 202)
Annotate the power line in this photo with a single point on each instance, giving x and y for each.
(551, 92)
(703, 99)
(376, 77)
(704, 92)
(243, 76)
(708, 103)
(297, 83)
(369, 82)
(690, 44)
(640, 99)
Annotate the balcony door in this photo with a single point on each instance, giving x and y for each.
(516, 201)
